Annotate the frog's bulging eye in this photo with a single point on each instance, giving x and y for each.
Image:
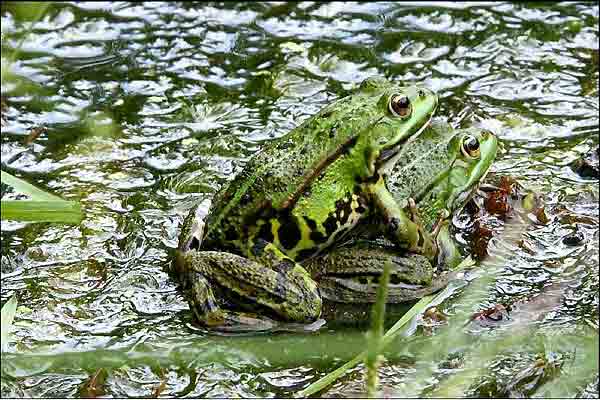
(400, 106)
(470, 146)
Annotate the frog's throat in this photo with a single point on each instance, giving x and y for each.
(388, 157)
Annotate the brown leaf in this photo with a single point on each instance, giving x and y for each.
(94, 386)
(479, 240)
(497, 203)
(491, 316)
(161, 386)
(507, 184)
(34, 134)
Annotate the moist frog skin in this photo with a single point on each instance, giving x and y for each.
(295, 198)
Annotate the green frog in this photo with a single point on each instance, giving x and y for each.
(296, 197)
(439, 171)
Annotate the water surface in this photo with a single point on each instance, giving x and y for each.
(149, 108)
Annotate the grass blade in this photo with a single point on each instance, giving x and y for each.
(6, 319)
(374, 345)
(387, 339)
(26, 188)
(389, 336)
(41, 211)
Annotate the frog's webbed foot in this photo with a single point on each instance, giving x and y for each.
(427, 244)
(437, 226)
(414, 212)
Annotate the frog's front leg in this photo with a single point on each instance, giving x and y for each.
(270, 285)
(401, 228)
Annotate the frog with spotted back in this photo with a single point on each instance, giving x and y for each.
(296, 197)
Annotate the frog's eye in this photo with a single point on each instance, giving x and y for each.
(470, 146)
(400, 106)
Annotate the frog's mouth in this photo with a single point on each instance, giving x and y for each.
(389, 156)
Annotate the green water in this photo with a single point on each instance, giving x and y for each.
(149, 108)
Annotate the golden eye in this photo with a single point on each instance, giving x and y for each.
(400, 106)
(470, 146)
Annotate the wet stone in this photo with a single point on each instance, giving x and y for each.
(588, 166)
(574, 239)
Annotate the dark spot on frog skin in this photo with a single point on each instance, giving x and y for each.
(246, 198)
(370, 179)
(265, 232)
(194, 244)
(349, 145)
(307, 253)
(327, 113)
(333, 131)
(284, 145)
(231, 234)
(393, 225)
(318, 237)
(265, 212)
(289, 234)
(312, 225)
(259, 247)
(344, 209)
(330, 224)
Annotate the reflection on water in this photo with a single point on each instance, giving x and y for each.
(180, 95)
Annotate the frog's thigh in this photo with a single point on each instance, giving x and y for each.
(400, 227)
(282, 286)
(204, 305)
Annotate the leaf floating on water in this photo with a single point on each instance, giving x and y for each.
(497, 201)
(491, 316)
(481, 237)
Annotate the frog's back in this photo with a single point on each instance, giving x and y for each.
(279, 175)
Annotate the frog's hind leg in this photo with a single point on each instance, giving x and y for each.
(351, 274)
(208, 312)
(271, 283)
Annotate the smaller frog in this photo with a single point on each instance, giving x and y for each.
(459, 160)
